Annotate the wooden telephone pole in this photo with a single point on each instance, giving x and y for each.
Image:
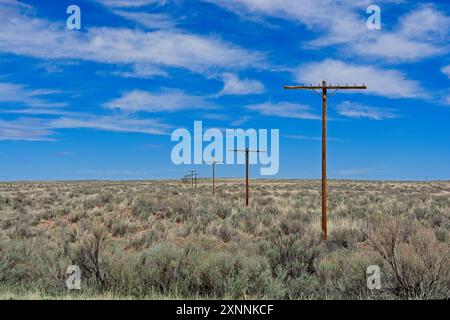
(186, 178)
(213, 175)
(324, 87)
(193, 177)
(247, 153)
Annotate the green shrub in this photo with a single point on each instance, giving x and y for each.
(342, 274)
(345, 238)
(15, 268)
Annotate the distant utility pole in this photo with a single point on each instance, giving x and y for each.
(324, 87)
(247, 152)
(213, 174)
(186, 178)
(193, 177)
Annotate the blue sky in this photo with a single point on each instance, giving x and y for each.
(101, 102)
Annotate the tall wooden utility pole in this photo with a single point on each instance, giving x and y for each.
(324, 87)
(213, 174)
(247, 153)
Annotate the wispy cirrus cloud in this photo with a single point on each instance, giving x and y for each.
(24, 34)
(166, 100)
(419, 34)
(359, 111)
(22, 95)
(115, 123)
(311, 13)
(45, 129)
(312, 138)
(41, 111)
(129, 3)
(143, 71)
(148, 20)
(284, 110)
(358, 171)
(382, 82)
(233, 85)
(28, 103)
(240, 121)
(25, 129)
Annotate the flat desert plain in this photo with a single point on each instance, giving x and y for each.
(169, 240)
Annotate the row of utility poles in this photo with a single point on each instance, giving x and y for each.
(193, 174)
(325, 94)
(192, 177)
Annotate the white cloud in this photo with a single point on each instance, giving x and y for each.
(382, 82)
(14, 4)
(425, 23)
(26, 129)
(43, 129)
(144, 71)
(303, 137)
(420, 33)
(167, 100)
(148, 20)
(284, 110)
(129, 3)
(23, 34)
(240, 121)
(40, 111)
(119, 123)
(394, 46)
(312, 13)
(40, 129)
(359, 111)
(446, 71)
(234, 86)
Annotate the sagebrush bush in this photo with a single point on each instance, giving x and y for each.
(419, 263)
(170, 270)
(342, 274)
(87, 253)
(15, 266)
